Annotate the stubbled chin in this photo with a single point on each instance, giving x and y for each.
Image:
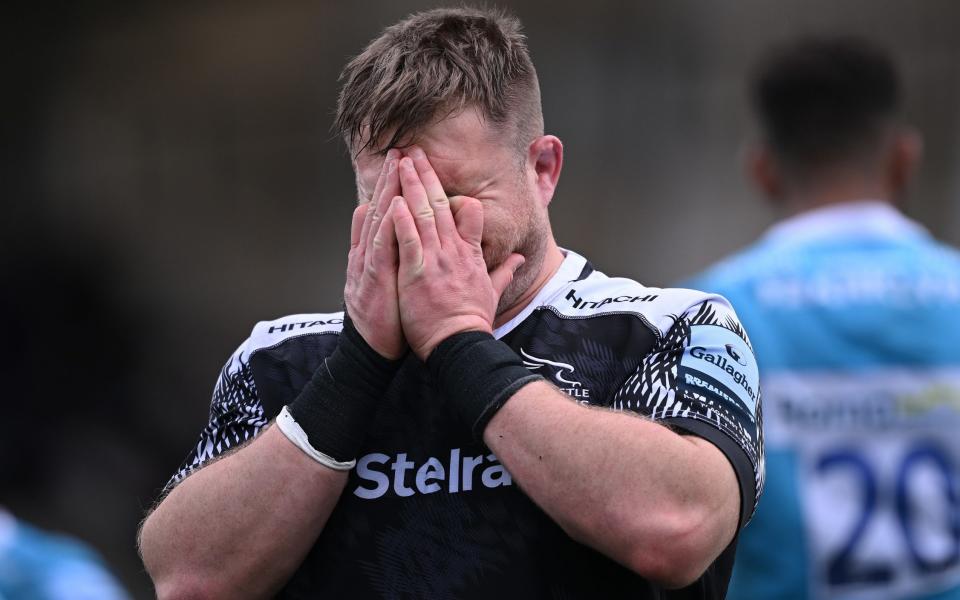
(523, 279)
(492, 256)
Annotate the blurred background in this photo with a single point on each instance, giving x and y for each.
(169, 178)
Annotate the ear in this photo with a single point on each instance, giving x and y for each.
(763, 171)
(544, 163)
(906, 152)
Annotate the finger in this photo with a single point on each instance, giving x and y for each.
(356, 226)
(355, 255)
(389, 184)
(384, 253)
(415, 196)
(392, 155)
(410, 249)
(435, 194)
(503, 275)
(390, 187)
(469, 219)
(368, 213)
(372, 216)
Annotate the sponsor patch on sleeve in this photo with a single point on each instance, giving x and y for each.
(719, 365)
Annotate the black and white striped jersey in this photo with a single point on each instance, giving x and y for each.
(428, 513)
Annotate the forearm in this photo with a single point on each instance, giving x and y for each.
(240, 526)
(631, 488)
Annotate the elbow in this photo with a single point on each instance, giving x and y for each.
(669, 569)
(176, 583)
(171, 577)
(677, 553)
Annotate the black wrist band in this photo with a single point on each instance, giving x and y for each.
(478, 374)
(336, 406)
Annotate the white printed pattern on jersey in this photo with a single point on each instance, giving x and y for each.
(236, 416)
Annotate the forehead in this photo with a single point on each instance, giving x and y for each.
(462, 148)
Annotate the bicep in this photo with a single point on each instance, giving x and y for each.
(701, 379)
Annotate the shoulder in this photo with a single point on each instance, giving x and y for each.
(599, 295)
(274, 333)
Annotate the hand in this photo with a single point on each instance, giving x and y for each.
(370, 293)
(442, 280)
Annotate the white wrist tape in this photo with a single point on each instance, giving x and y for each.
(298, 436)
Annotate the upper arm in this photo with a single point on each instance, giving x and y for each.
(701, 378)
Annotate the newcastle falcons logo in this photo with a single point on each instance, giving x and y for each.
(533, 363)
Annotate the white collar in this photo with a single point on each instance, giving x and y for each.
(856, 219)
(569, 270)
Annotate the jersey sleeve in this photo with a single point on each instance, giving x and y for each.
(265, 373)
(701, 377)
(236, 415)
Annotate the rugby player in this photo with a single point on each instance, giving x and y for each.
(491, 417)
(853, 311)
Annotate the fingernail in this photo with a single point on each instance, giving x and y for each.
(391, 165)
(393, 153)
(406, 163)
(417, 152)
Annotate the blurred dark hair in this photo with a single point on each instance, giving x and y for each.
(825, 100)
(436, 63)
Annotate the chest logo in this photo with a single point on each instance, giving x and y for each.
(562, 374)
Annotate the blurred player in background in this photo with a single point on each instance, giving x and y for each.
(38, 565)
(492, 417)
(854, 311)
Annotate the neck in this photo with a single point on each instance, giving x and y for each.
(833, 192)
(551, 263)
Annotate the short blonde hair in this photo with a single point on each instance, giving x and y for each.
(432, 65)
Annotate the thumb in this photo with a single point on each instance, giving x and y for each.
(468, 215)
(456, 203)
(503, 275)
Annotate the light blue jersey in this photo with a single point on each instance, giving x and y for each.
(35, 565)
(854, 314)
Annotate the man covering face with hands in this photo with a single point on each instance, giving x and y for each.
(490, 416)
(424, 253)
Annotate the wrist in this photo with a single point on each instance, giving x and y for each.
(389, 349)
(335, 408)
(479, 374)
(477, 325)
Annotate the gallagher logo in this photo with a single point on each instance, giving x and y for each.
(720, 362)
(732, 352)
